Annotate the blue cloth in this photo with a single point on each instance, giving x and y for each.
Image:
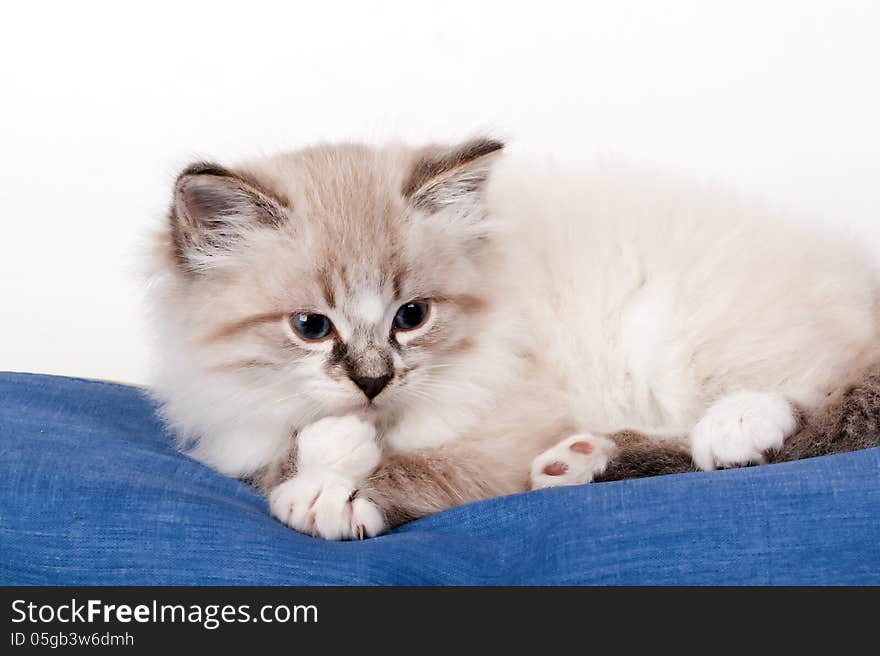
(91, 492)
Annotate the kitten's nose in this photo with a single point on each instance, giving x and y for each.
(371, 386)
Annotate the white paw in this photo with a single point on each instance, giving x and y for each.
(323, 507)
(334, 455)
(740, 428)
(574, 461)
(343, 445)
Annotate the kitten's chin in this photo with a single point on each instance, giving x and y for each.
(368, 411)
(362, 408)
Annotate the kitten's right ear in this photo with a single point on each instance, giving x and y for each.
(213, 209)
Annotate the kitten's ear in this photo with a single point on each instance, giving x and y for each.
(441, 177)
(213, 208)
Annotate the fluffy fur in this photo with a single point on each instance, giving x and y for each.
(563, 307)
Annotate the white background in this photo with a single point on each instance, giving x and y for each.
(101, 105)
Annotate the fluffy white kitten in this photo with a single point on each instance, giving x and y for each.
(375, 334)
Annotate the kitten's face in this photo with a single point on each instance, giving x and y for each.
(338, 280)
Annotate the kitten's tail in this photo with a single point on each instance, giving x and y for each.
(849, 420)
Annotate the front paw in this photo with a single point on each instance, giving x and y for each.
(326, 507)
(740, 429)
(334, 455)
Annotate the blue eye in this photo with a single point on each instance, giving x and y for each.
(411, 315)
(312, 327)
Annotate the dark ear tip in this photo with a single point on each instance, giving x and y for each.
(475, 149)
(204, 168)
(485, 146)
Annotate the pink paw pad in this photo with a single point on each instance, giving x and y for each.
(582, 447)
(555, 469)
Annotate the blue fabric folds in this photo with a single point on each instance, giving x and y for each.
(93, 493)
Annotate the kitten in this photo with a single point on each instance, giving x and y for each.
(376, 334)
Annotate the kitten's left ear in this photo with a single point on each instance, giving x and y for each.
(441, 177)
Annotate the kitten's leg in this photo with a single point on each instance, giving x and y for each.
(740, 428)
(641, 456)
(333, 456)
(407, 486)
(575, 460)
(586, 458)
